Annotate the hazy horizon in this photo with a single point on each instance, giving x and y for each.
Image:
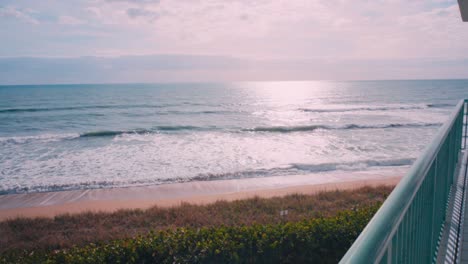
(228, 82)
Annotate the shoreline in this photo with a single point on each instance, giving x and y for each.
(109, 200)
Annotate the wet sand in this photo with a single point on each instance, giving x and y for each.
(107, 200)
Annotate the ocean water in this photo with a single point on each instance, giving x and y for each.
(63, 137)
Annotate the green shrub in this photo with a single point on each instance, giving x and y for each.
(319, 240)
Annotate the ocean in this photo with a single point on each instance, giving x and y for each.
(67, 137)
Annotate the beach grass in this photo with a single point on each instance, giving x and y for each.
(66, 231)
(315, 240)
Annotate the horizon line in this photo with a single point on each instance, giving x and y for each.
(221, 82)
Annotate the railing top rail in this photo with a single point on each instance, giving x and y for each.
(372, 242)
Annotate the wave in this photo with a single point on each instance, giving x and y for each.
(161, 129)
(440, 105)
(290, 129)
(19, 110)
(337, 110)
(84, 186)
(358, 165)
(278, 129)
(94, 107)
(353, 109)
(291, 169)
(102, 133)
(318, 110)
(200, 112)
(110, 133)
(41, 138)
(286, 129)
(312, 110)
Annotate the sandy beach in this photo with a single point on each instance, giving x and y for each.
(54, 203)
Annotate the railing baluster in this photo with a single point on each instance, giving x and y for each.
(413, 230)
(418, 225)
(431, 212)
(394, 248)
(465, 124)
(389, 254)
(425, 222)
(435, 204)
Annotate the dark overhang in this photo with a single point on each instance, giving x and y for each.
(463, 9)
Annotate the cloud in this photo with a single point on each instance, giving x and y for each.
(21, 14)
(288, 28)
(141, 12)
(135, 1)
(69, 20)
(325, 32)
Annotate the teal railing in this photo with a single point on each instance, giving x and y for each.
(407, 228)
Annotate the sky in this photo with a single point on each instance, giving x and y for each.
(98, 41)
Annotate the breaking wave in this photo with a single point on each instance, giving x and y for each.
(338, 110)
(290, 129)
(291, 169)
(168, 129)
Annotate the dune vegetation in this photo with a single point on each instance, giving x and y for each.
(317, 228)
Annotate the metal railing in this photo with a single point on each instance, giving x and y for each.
(407, 228)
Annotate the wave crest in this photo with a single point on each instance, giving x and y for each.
(169, 129)
(377, 108)
(110, 133)
(41, 138)
(49, 109)
(290, 129)
(291, 169)
(98, 107)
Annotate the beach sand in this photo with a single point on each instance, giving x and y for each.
(51, 204)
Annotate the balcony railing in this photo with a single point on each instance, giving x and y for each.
(408, 226)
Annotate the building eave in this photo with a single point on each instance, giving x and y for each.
(463, 4)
